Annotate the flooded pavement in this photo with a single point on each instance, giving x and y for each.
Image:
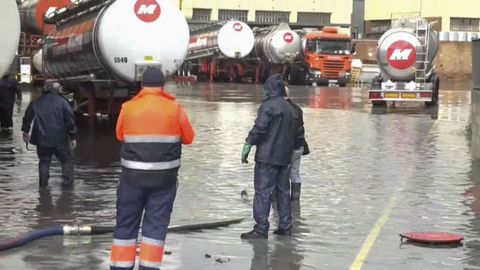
(370, 176)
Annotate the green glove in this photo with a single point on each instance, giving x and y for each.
(246, 150)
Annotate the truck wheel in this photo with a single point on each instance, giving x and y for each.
(291, 79)
(379, 104)
(236, 75)
(436, 90)
(342, 84)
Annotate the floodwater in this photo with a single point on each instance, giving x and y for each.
(370, 174)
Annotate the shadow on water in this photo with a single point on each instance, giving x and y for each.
(434, 246)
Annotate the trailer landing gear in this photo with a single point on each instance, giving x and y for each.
(436, 90)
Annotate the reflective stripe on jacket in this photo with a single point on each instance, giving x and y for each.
(152, 127)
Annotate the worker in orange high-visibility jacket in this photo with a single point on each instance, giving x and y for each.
(152, 127)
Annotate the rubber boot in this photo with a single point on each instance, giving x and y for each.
(274, 195)
(296, 187)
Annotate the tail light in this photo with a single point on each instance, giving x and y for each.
(375, 95)
(426, 94)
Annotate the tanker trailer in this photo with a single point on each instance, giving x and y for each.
(215, 50)
(405, 56)
(10, 29)
(100, 48)
(33, 12)
(277, 46)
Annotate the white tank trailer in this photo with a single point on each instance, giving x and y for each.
(405, 56)
(277, 44)
(232, 39)
(10, 29)
(100, 40)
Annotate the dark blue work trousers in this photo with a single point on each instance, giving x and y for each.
(6, 115)
(64, 155)
(267, 178)
(154, 203)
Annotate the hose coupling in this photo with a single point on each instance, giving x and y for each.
(77, 230)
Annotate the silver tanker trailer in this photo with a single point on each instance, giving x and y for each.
(405, 56)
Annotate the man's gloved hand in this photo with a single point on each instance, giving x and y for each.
(73, 144)
(246, 150)
(26, 137)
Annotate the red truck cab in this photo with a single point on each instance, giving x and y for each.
(327, 54)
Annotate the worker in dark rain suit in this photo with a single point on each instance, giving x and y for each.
(152, 127)
(275, 132)
(53, 133)
(8, 90)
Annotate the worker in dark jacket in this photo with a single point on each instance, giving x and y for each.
(8, 90)
(274, 134)
(300, 149)
(53, 133)
(152, 128)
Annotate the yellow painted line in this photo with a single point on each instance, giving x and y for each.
(373, 235)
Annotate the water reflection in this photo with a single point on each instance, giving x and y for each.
(330, 98)
(53, 211)
(359, 160)
(285, 253)
(433, 112)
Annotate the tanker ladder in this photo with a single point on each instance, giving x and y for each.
(422, 32)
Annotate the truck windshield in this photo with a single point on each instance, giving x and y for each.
(342, 47)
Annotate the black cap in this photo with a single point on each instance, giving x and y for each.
(153, 77)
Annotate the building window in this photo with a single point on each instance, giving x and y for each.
(228, 14)
(272, 16)
(464, 24)
(313, 18)
(201, 14)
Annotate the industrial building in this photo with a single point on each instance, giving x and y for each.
(303, 13)
(451, 15)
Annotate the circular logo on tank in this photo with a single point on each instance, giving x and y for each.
(46, 7)
(288, 37)
(147, 10)
(401, 55)
(238, 27)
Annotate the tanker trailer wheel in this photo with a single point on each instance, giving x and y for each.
(296, 77)
(236, 75)
(436, 91)
(379, 104)
(290, 79)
